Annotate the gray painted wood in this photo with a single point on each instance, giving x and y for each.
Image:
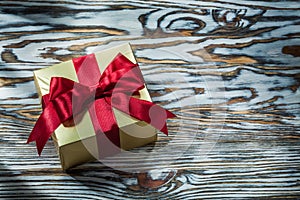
(228, 69)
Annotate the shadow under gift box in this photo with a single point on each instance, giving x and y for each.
(79, 144)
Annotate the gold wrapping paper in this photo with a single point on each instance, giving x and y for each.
(71, 141)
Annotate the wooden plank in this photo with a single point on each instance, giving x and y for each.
(229, 70)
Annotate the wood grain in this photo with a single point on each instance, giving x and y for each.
(229, 70)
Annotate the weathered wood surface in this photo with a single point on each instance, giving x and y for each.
(229, 69)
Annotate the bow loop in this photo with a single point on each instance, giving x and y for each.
(59, 85)
(121, 76)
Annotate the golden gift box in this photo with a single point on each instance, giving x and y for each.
(72, 141)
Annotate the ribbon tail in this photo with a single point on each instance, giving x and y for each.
(152, 114)
(144, 110)
(164, 115)
(164, 129)
(44, 127)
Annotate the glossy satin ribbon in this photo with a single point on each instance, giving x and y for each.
(120, 80)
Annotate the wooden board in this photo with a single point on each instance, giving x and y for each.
(229, 70)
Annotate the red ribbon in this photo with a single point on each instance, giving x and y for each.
(120, 80)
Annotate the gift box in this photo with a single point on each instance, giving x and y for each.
(104, 126)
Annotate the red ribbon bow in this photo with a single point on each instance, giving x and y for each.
(120, 80)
